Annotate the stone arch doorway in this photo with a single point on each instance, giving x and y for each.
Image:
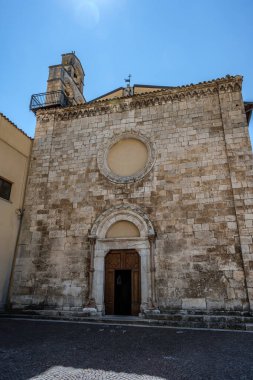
(122, 282)
(102, 241)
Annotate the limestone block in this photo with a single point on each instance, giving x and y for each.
(194, 303)
(90, 311)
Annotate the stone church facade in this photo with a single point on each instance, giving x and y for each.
(147, 189)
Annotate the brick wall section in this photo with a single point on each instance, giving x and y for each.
(203, 223)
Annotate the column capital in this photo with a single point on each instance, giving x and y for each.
(151, 238)
(92, 239)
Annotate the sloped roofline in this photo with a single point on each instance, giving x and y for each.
(14, 125)
(106, 94)
(103, 105)
(151, 86)
(135, 85)
(164, 88)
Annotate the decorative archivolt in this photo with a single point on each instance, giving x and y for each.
(126, 212)
(228, 84)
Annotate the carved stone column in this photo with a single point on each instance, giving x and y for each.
(91, 301)
(152, 304)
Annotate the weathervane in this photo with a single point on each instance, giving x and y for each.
(128, 89)
(128, 80)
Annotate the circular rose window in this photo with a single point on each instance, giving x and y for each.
(126, 158)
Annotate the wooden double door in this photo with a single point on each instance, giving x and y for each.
(122, 282)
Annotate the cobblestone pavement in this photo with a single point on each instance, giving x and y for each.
(77, 351)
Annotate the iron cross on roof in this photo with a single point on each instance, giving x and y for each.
(128, 80)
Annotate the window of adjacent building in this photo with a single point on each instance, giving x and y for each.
(5, 189)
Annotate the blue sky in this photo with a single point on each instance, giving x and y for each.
(162, 42)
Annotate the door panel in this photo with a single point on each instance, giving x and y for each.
(123, 261)
(109, 292)
(135, 292)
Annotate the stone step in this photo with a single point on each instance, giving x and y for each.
(202, 317)
(188, 321)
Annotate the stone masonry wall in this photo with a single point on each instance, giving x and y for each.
(198, 196)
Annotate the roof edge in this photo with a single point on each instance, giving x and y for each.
(107, 93)
(152, 86)
(14, 125)
(163, 88)
(191, 88)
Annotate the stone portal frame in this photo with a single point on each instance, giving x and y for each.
(100, 246)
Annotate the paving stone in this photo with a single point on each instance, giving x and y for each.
(58, 351)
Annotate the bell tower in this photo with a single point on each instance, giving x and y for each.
(64, 85)
(67, 77)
